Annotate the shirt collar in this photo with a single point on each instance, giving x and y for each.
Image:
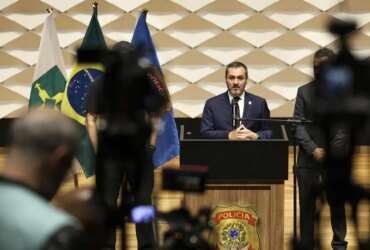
(231, 97)
(20, 184)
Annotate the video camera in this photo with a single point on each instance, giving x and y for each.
(186, 231)
(343, 89)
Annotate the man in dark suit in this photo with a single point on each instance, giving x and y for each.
(311, 170)
(226, 116)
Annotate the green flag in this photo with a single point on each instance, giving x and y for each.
(49, 78)
(74, 99)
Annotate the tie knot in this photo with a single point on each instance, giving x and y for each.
(235, 99)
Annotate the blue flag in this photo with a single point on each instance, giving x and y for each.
(167, 145)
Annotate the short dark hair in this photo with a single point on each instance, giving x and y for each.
(236, 64)
(324, 52)
(41, 131)
(123, 47)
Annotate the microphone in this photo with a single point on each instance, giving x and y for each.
(236, 112)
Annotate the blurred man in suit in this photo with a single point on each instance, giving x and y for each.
(226, 116)
(311, 170)
(43, 144)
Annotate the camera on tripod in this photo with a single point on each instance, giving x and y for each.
(186, 231)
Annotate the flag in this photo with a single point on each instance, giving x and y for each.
(49, 79)
(75, 93)
(167, 145)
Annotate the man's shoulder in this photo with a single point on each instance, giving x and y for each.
(25, 210)
(217, 98)
(254, 97)
(14, 195)
(307, 86)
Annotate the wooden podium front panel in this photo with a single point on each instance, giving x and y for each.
(266, 199)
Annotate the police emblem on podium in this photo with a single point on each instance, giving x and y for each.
(235, 228)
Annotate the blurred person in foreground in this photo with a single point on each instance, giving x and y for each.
(311, 168)
(125, 176)
(42, 147)
(226, 116)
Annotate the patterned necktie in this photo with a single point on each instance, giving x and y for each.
(236, 112)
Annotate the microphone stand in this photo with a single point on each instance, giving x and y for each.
(292, 124)
(235, 120)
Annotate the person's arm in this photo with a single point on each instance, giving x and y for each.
(91, 128)
(265, 131)
(340, 143)
(92, 108)
(207, 125)
(303, 138)
(156, 123)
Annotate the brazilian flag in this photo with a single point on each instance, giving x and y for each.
(75, 93)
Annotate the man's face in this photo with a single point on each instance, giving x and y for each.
(236, 80)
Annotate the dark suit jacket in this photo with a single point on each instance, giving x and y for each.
(311, 136)
(217, 116)
(308, 136)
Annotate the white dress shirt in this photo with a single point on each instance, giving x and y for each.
(240, 103)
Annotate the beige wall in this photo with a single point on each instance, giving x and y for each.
(195, 39)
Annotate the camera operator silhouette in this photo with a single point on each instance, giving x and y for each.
(139, 185)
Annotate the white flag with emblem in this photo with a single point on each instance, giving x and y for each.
(49, 79)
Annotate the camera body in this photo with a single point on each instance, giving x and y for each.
(343, 89)
(186, 231)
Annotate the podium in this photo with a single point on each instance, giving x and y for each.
(242, 173)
